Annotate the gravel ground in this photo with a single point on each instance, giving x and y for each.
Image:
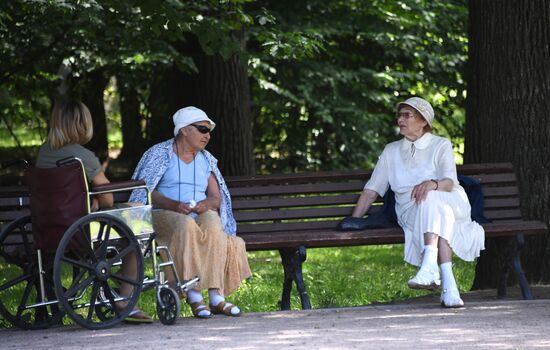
(417, 323)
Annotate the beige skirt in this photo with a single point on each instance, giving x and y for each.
(201, 248)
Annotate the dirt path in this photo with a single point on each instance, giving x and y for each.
(417, 323)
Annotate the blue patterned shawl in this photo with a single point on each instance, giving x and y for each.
(153, 165)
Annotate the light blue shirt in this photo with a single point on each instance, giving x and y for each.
(185, 182)
(153, 165)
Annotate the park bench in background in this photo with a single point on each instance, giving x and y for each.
(291, 213)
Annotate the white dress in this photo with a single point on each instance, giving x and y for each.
(404, 164)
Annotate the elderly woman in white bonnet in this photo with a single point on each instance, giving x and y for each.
(194, 218)
(431, 206)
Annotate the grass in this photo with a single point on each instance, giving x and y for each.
(335, 277)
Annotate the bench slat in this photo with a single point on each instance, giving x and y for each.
(252, 189)
(333, 238)
(466, 169)
(296, 189)
(289, 202)
(508, 209)
(503, 214)
(10, 215)
(286, 226)
(489, 179)
(14, 201)
(489, 192)
(492, 203)
(294, 214)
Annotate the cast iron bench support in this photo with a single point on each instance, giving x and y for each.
(292, 259)
(513, 248)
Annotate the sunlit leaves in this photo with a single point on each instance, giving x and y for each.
(327, 73)
(374, 53)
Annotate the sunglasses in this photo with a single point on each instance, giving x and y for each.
(202, 129)
(405, 115)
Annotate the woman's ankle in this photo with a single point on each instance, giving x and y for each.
(194, 296)
(215, 297)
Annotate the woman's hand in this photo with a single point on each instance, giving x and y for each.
(201, 207)
(420, 191)
(94, 206)
(183, 208)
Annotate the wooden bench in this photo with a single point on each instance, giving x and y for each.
(291, 213)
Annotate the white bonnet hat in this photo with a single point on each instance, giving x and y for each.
(422, 106)
(190, 115)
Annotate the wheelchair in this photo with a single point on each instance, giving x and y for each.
(64, 259)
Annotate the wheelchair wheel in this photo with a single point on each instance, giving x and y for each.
(19, 280)
(95, 246)
(105, 309)
(168, 305)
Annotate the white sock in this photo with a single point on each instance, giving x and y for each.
(194, 296)
(429, 260)
(447, 278)
(215, 297)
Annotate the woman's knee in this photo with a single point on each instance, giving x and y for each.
(432, 200)
(173, 222)
(210, 221)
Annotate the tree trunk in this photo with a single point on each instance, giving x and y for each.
(132, 134)
(221, 88)
(223, 92)
(92, 88)
(166, 97)
(507, 112)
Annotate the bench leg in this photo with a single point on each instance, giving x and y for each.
(518, 269)
(513, 260)
(293, 259)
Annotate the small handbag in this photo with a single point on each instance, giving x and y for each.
(351, 223)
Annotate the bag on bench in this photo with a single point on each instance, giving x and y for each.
(383, 218)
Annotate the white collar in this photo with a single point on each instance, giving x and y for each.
(420, 143)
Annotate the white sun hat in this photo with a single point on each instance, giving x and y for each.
(189, 115)
(422, 106)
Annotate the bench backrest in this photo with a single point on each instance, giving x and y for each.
(317, 201)
(14, 203)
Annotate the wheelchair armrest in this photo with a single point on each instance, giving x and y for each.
(118, 186)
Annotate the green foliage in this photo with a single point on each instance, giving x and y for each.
(326, 74)
(48, 47)
(335, 109)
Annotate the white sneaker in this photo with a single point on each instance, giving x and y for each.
(451, 298)
(425, 279)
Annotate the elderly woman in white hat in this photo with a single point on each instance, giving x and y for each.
(194, 218)
(431, 206)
